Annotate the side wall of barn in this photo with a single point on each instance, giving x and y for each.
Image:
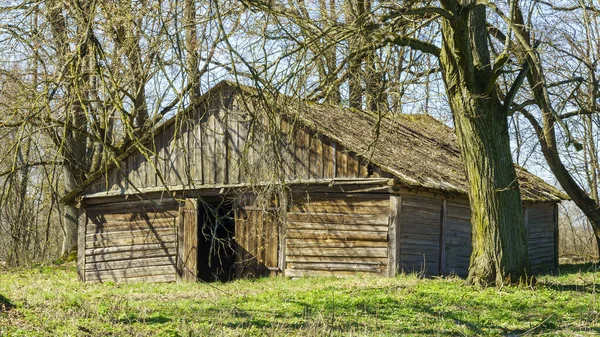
(433, 234)
(128, 240)
(337, 234)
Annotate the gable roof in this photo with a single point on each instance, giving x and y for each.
(418, 150)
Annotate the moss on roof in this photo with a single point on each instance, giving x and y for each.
(417, 149)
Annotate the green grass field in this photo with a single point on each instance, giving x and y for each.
(48, 301)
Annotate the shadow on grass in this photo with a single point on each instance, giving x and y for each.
(5, 304)
(157, 319)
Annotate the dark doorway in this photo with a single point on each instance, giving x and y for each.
(216, 246)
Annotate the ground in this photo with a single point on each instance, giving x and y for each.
(48, 301)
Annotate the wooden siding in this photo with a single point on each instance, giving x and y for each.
(220, 144)
(541, 236)
(337, 234)
(257, 240)
(457, 238)
(131, 241)
(419, 234)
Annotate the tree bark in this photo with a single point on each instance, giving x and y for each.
(499, 237)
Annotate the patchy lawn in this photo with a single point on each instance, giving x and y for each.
(48, 301)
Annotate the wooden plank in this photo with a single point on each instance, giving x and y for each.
(442, 266)
(317, 273)
(151, 278)
(342, 218)
(81, 231)
(288, 150)
(123, 235)
(339, 259)
(352, 168)
(336, 227)
(301, 153)
(333, 243)
(341, 163)
(123, 226)
(315, 157)
(394, 223)
(131, 263)
(221, 147)
(132, 241)
(121, 274)
(556, 233)
(335, 234)
(328, 159)
(180, 244)
(366, 252)
(120, 218)
(170, 253)
(360, 268)
(140, 206)
(190, 241)
(127, 249)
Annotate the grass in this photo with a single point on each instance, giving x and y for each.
(48, 301)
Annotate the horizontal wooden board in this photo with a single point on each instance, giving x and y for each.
(317, 273)
(126, 249)
(132, 241)
(131, 272)
(131, 263)
(336, 227)
(115, 226)
(99, 278)
(142, 217)
(338, 259)
(333, 243)
(364, 268)
(339, 218)
(366, 252)
(334, 234)
(140, 254)
(116, 235)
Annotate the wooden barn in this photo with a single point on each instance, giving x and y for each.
(231, 189)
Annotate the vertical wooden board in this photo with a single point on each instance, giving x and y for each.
(394, 222)
(233, 158)
(420, 253)
(190, 240)
(328, 159)
(195, 143)
(457, 237)
(81, 233)
(151, 163)
(301, 156)
(315, 162)
(288, 150)
(444, 213)
(363, 168)
(221, 147)
(182, 168)
(556, 233)
(208, 153)
(341, 163)
(180, 243)
(352, 165)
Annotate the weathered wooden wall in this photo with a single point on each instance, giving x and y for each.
(219, 144)
(130, 241)
(337, 234)
(418, 234)
(542, 236)
(456, 238)
(257, 241)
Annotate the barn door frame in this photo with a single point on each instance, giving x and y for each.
(187, 241)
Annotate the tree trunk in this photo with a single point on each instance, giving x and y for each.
(499, 237)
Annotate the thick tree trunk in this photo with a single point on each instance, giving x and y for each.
(498, 231)
(71, 215)
(499, 237)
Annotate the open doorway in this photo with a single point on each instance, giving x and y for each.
(216, 246)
